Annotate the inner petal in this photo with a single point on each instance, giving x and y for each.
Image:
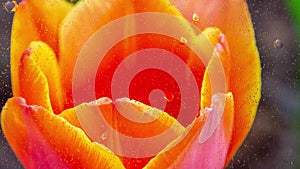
(103, 123)
(156, 63)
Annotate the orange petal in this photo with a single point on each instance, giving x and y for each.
(71, 116)
(218, 40)
(33, 83)
(233, 19)
(34, 20)
(188, 152)
(97, 14)
(35, 133)
(45, 59)
(90, 119)
(125, 126)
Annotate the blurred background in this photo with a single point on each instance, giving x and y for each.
(274, 140)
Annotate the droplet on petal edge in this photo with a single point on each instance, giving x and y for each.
(11, 6)
(183, 40)
(195, 17)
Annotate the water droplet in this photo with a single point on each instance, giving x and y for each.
(183, 40)
(104, 136)
(169, 96)
(195, 17)
(11, 6)
(278, 44)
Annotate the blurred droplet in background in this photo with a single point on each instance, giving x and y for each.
(278, 44)
(11, 6)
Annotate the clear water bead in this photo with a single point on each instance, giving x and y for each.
(278, 44)
(195, 17)
(104, 136)
(11, 6)
(183, 40)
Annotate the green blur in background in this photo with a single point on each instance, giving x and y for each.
(294, 10)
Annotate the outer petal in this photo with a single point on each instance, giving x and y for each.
(45, 59)
(212, 153)
(34, 133)
(189, 153)
(233, 18)
(34, 20)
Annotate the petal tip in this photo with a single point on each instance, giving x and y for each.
(26, 54)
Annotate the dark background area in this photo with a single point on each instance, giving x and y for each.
(273, 141)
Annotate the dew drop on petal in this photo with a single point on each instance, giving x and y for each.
(195, 17)
(104, 136)
(278, 44)
(169, 96)
(11, 6)
(183, 40)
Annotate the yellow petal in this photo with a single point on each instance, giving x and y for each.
(41, 139)
(33, 83)
(218, 40)
(34, 20)
(71, 116)
(45, 59)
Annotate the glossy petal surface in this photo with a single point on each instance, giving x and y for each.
(107, 108)
(46, 62)
(34, 20)
(41, 139)
(189, 153)
(233, 19)
(33, 82)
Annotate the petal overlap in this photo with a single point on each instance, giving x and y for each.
(44, 128)
(233, 19)
(33, 21)
(35, 133)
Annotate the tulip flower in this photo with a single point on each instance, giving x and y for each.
(42, 122)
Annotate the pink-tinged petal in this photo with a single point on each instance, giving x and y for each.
(189, 150)
(41, 139)
(213, 152)
(233, 19)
